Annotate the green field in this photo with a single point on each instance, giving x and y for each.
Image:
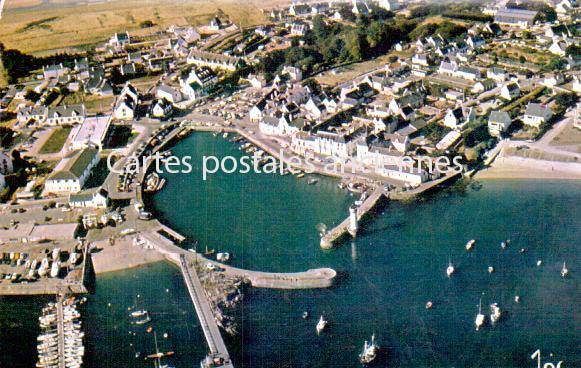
(56, 141)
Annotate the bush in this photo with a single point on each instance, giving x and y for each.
(146, 24)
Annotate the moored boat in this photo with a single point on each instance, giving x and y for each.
(480, 318)
(321, 325)
(369, 352)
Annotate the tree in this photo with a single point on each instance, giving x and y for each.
(566, 99)
(146, 24)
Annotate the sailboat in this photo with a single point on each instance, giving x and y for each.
(450, 270)
(479, 317)
(564, 271)
(209, 252)
(321, 325)
(369, 352)
(138, 312)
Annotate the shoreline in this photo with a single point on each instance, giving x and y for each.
(512, 167)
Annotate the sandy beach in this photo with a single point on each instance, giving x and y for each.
(512, 167)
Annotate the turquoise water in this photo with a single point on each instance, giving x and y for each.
(387, 274)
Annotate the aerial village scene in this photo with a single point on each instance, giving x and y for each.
(356, 183)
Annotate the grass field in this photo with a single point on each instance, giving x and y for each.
(56, 141)
(64, 25)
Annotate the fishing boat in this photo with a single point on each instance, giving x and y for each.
(470, 244)
(496, 313)
(321, 325)
(564, 271)
(369, 352)
(450, 270)
(138, 313)
(480, 318)
(223, 257)
(147, 319)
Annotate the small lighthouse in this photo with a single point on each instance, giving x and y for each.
(353, 226)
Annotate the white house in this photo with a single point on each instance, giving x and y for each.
(203, 76)
(496, 74)
(448, 67)
(295, 74)
(71, 173)
(552, 81)
(168, 93)
(509, 91)
(125, 109)
(537, 114)
(2, 181)
(91, 199)
(391, 5)
(162, 108)
(468, 73)
(66, 115)
(456, 118)
(558, 48)
(498, 122)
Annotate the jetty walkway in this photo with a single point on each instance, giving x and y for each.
(60, 332)
(218, 351)
(339, 231)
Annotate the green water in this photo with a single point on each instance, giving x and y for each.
(387, 274)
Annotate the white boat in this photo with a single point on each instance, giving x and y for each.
(321, 325)
(143, 321)
(138, 313)
(517, 299)
(450, 270)
(539, 263)
(490, 269)
(496, 313)
(480, 318)
(564, 271)
(369, 352)
(223, 257)
(470, 244)
(502, 245)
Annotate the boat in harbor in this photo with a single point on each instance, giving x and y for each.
(300, 175)
(470, 244)
(209, 252)
(450, 269)
(564, 271)
(305, 315)
(312, 181)
(143, 321)
(138, 313)
(480, 318)
(369, 352)
(321, 325)
(223, 257)
(490, 269)
(495, 313)
(517, 299)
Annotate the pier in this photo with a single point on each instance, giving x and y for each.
(60, 317)
(349, 225)
(218, 351)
